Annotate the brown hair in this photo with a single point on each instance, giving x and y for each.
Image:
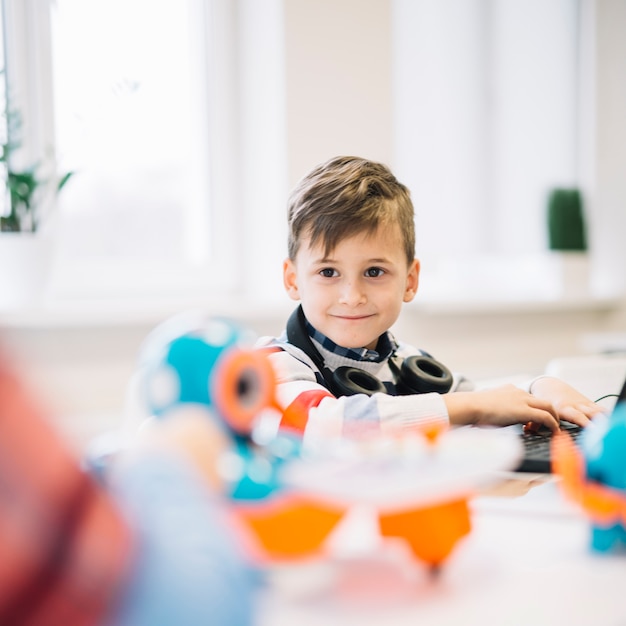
(346, 196)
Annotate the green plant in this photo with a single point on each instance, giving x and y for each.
(23, 185)
(566, 223)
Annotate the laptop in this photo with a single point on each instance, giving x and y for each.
(537, 446)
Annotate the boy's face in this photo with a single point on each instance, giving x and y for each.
(354, 294)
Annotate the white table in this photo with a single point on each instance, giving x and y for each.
(526, 562)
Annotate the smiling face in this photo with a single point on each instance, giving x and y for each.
(353, 293)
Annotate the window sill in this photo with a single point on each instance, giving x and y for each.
(495, 306)
(547, 282)
(137, 312)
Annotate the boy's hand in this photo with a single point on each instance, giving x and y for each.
(570, 404)
(501, 406)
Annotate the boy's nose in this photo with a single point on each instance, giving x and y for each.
(352, 293)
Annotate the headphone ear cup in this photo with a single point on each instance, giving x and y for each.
(423, 374)
(348, 381)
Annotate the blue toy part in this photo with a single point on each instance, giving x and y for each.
(604, 449)
(608, 538)
(254, 472)
(206, 361)
(180, 357)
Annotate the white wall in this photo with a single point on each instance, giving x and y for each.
(339, 101)
(339, 83)
(609, 141)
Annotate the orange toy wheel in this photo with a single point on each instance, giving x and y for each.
(243, 386)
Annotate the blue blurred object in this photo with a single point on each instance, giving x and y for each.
(189, 569)
(604, 449)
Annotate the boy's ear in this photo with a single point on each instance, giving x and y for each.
(290, 279)
(412, 281)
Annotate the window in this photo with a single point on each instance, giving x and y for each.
(488, 119)
(130, 96)
(154, 105)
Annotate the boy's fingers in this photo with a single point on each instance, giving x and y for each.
(591, 410)
(544, 406)
(541, 418)
(579, 415)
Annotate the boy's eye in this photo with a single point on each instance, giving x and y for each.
(328, 272)
(374, 272)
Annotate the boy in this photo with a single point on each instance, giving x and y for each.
(351, 265)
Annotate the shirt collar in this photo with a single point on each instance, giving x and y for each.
(385, 347)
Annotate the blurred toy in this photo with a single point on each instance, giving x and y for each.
(290, 502)
(65, 549)
(206, 364)
(148, 549)
(595, 477)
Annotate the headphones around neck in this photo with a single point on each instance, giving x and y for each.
(415, 374)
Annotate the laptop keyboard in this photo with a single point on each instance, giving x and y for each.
(537, 448)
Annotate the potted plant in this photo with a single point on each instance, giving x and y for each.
(566, 222)
(25, 253)
(567, 240)
(23, 215)
(25, 186)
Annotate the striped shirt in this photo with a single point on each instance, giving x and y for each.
(311, 409)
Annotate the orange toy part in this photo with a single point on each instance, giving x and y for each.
(431, 532)
(605, 505)
(243, 386)
(433, 430)
(290, 528)
(296, 415)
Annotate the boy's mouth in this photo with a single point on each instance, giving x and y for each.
(353, 318)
